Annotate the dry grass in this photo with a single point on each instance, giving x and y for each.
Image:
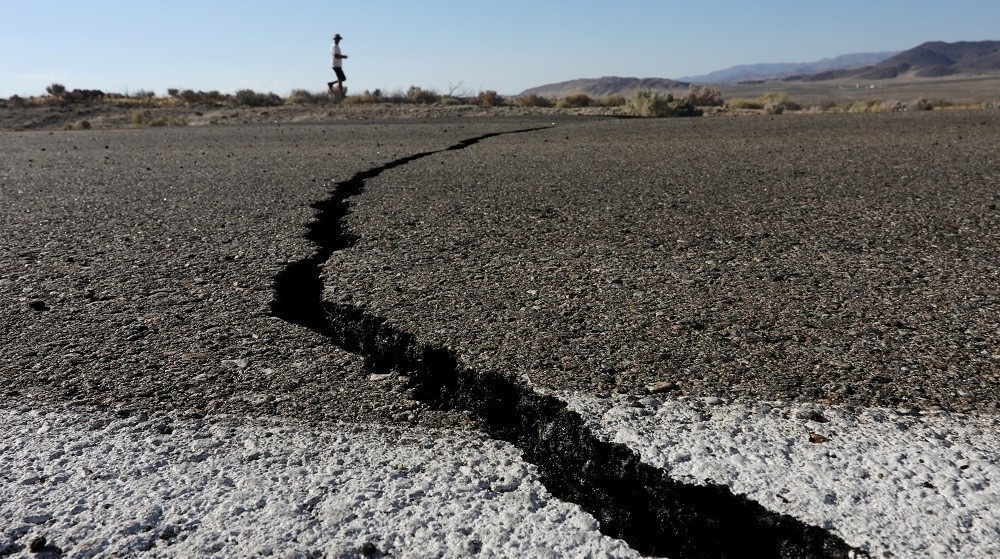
(141, 119)
(574, 101)
(81, 125)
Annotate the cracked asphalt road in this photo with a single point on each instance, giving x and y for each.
(845, 259)
(137, 267)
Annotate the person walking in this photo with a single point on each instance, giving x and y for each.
(338, 66)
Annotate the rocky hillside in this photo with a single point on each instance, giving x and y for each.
(929, 60)
(606, 86)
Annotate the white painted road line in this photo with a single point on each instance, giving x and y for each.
(92, 483)
(891, 483)
(98, 485)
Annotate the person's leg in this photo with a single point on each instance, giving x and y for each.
(341, 78)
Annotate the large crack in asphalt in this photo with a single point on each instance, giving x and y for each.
(635, 502)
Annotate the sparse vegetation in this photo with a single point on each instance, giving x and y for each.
(366, 98)
(704, 97)
(489, 98)
(533, 101)
(865, 106)
(424, 96)
(81, 125)
(151, 110)
(656, 105)
(144, 118)
(213, 97)
(613, 101)
(305, 97)
(56, 90)
(770, 103)
(649, 104)
(250, 98)
(574, 101)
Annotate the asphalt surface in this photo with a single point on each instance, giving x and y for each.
(137, 267)
(837, 259)
(842, 258)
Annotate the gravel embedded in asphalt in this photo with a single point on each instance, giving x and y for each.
(847, 259)
(137, 267)
(841, 258)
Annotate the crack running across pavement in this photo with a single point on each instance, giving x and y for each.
(633, 501)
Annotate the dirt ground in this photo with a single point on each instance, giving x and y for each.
(106, 116)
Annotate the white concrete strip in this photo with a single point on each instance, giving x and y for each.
(889, 482)
(94, 484)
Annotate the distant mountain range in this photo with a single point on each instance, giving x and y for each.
(929, 60)
(932, 59)
(746, 72)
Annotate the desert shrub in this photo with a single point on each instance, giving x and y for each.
(704, 97)
(56, 90)
(214, 95)
(143, 94)
(141, 118)
(83, 95)
(652, 104)
(396, 96)
(684, 108)
(145, 118)
(188, 96)
(891, 106)
(770, 103)
(773, 108)
(418, 95)
(613, 101)
(574, 101)
(865, 106)
(489, 98)
(172, 92)
(368, 97)
(741, 103)
(782, 99)
(210, 97)
(250, 98)
(827, 107)
(649, 104)
(169, 120)
(304, 97)
(82, 125)
(533, 101)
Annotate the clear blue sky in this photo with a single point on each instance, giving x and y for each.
(471, 45)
